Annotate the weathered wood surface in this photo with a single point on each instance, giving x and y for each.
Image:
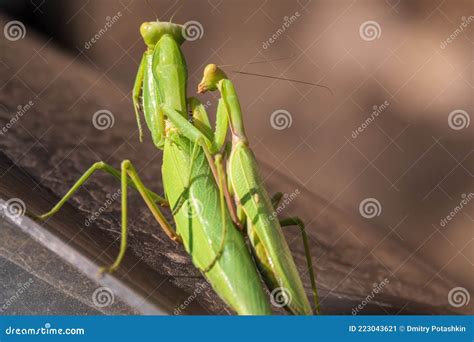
(55, 141)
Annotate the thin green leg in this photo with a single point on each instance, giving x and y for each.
(276, 199)
(215, 139)
(183, 197)
(200, 139)
(221, 176)
(96, 166)
(128, 177)
(222, 125)
(195, 135)
(127, 170)
(295, 221)
(201, 119)
(137, 87)
(214, 143)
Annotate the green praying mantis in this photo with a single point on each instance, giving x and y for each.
(217, 200)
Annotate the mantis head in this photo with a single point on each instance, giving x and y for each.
(212, 75)
(152, 31)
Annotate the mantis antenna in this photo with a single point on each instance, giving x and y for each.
(258, 62)
(273, 77)
(172, 16)
(284, 79)
(153, 9)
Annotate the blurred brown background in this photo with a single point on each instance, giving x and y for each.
(411, 158)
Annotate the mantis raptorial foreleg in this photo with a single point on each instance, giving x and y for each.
(203, 137)
(201, 121)
(195, 135)
(137, 89)
(128, 177)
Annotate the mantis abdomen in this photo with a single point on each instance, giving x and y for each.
(233, 276)
(201, 219)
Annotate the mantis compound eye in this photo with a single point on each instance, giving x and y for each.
(145, 29)
(210, 69)
(149, 32)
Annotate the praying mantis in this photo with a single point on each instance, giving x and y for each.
(217, 201)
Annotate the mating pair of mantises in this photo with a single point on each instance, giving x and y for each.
(214, 206)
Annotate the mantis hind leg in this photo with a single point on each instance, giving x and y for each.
(296, 221)
(128, 177)
(95, 167)
(276, 199)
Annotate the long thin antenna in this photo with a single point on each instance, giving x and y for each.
(257, 62)
(153, 9)
(172, 16)
(284, 79)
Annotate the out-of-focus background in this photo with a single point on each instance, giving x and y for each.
(391, 143)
